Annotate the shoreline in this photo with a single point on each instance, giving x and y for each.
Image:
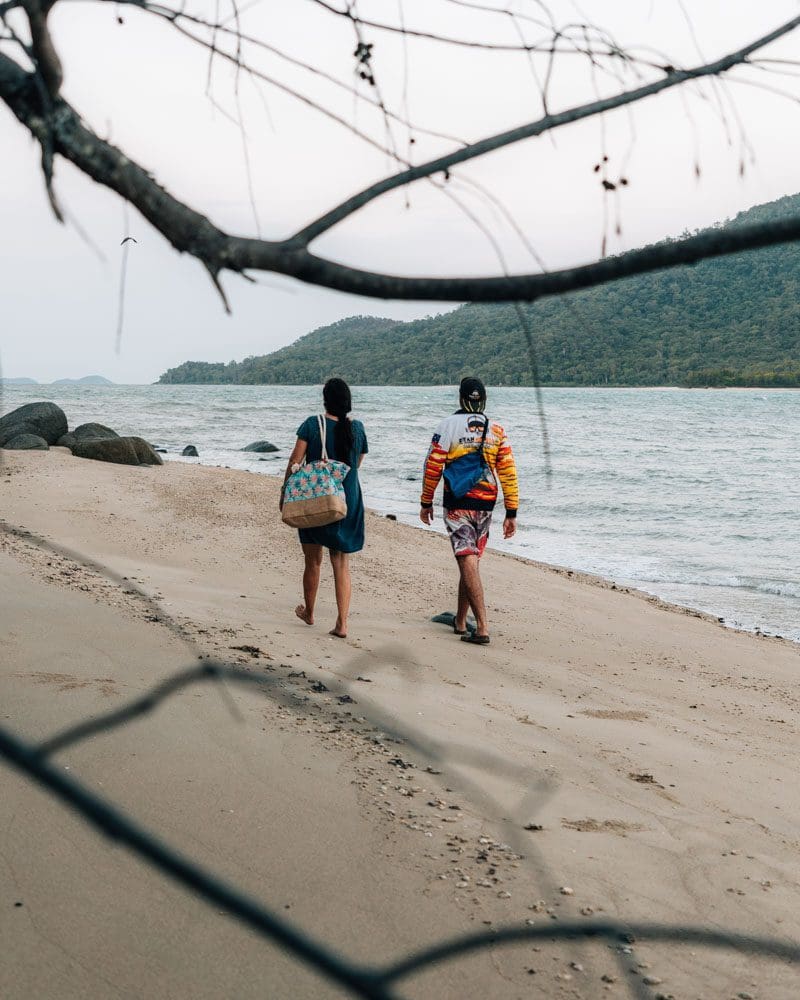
(596, 579)
(727, 559)
(385, 791)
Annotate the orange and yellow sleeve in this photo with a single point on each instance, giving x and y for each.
(506, 469)
(432, 472)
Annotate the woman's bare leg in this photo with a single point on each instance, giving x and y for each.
(313, 556)
(340, 561)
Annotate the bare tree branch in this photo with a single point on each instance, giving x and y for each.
(10, 5)
(190, 232)
(542, 45)
(43, 50)
(545, 124)
(174, 17)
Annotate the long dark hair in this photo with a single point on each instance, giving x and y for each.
(338, 402)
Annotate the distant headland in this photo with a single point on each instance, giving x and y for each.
(728, 321)
(86, 380)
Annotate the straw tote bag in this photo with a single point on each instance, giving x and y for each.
(314, 493)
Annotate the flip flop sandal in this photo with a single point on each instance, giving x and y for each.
(448, 618)
(477, 640)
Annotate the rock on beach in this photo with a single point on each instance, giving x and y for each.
(28, 442)
(93, 432)
(120, 450)
(39, 425)
(261, 446)
(45, 420)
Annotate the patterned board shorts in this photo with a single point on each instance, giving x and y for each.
(468, 530)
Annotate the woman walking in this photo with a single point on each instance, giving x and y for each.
(346, 441)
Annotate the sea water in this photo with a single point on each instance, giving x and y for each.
(691, 495)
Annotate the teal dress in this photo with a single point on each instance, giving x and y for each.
(346, 535)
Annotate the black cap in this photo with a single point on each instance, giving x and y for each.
(472, 394)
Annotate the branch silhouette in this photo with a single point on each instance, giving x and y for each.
(57, 126)
(370, 982)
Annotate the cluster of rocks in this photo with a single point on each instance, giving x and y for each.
(190, 451)
(39, 425)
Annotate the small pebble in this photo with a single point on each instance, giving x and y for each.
(566, 891)
(652, 980)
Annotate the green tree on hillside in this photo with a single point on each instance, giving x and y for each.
(739, 313)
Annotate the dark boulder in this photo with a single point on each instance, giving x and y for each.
(190, 451)
(93, 432)
(260, 446)
(145, 452)
(122, 450)
(119, 450)
(45, 420)
(66, 441)
(27, 441)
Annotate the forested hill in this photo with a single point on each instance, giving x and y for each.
(733, 320)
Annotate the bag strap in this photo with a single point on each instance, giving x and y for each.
(322, 430)
(483, 436)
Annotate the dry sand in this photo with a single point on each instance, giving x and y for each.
(654, 748)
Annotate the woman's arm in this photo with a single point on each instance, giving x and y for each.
(296, 457)
(364, 445)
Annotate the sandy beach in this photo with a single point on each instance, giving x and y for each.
(376, 792)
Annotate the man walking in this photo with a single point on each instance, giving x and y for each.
(471, 453)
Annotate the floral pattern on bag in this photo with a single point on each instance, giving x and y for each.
(316, 479)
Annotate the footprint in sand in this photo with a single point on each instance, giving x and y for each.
(615, 713)
(589, 825)
(68, 682)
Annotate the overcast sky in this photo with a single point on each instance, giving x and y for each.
(145, 88)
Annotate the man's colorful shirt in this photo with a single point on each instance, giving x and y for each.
(458, 435)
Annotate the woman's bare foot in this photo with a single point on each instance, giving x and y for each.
(304, 615)
(339, 631)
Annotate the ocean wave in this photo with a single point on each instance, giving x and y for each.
(776, 588)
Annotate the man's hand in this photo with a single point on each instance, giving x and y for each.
(426, 515)
(509, 527)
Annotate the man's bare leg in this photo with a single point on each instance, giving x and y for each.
(311, 572)
(460, 623)
(340, 561)
(470, 584)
